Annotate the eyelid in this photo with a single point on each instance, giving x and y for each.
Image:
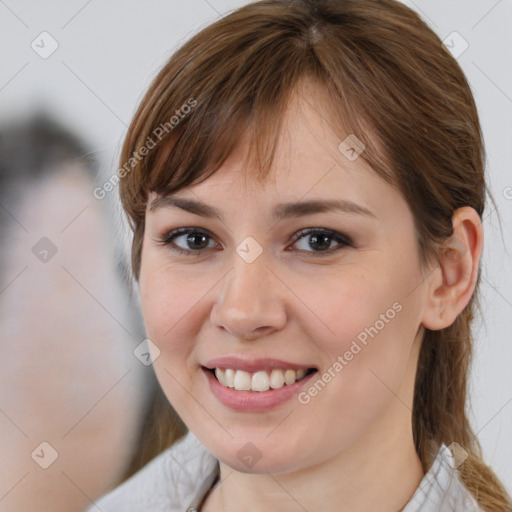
(335, 235)
(174, 233)
(167, 239)
(341, 239)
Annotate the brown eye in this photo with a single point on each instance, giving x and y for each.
(320, 241)
(190, 241)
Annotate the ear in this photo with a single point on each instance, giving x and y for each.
(452, 280)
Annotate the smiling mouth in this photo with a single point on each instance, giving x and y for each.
(259, 381)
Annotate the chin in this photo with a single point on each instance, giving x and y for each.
(256, 454)
(276, 464)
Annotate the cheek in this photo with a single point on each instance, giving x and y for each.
(167, 302)
(352, 306)
(174, 306)
(372, 319)
(369, 354)
(170, 309)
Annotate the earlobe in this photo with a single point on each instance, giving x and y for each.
(452, 281)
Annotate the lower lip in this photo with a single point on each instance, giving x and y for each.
(254, 401)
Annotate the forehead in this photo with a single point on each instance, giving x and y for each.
(315, 157)
(312, 141)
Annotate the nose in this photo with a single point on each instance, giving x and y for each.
(249, 305)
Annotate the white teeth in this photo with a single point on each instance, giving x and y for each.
(276, 379)
(242, 381)
(258, 381)
(230, 378)
(289, 377)
(221, 377)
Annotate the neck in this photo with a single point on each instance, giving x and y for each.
(379, 473)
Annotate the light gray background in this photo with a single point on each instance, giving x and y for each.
(110, 50)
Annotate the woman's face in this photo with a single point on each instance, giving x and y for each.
(272, 279)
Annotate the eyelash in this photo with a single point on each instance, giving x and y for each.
(342, 240)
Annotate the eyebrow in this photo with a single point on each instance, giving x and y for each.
(280, 212)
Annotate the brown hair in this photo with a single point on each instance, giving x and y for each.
(393, 84)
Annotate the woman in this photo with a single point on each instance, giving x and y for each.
(305, 184)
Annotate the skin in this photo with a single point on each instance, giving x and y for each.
(351, 447)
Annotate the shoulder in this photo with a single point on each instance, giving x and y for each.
(171, 482)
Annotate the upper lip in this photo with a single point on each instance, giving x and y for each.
(253, 365)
